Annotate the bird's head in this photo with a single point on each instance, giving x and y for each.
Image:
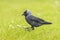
(26, 13)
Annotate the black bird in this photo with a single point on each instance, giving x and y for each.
(34, 21)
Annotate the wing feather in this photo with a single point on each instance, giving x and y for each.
(33, 18)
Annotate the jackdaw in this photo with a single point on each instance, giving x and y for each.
(34, 21)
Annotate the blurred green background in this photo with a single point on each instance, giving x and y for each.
(12, 22)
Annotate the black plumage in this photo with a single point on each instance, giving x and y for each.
(34, 21)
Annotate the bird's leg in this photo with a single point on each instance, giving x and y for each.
(32, 28)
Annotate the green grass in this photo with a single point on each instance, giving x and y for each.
(12, 21)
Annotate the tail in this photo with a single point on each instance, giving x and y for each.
(47, 23)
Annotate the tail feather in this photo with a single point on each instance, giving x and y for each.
(47, 23)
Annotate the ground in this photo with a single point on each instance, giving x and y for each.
(12, 22)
